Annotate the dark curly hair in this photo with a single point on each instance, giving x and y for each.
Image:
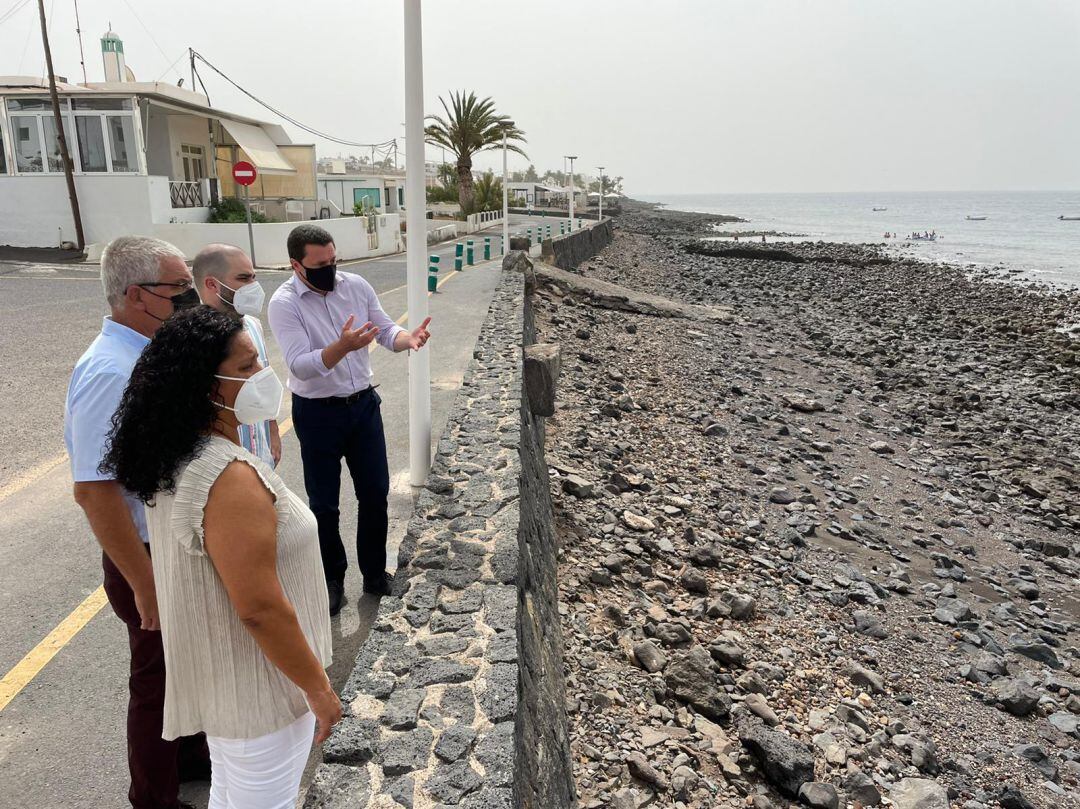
(167, 411)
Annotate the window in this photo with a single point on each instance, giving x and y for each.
(369, 197)
(33, 104)
(100, 135)
(194, 167)
(101, 103)
(27, 143)
(3, 159)
(91, 143)
(122, 139)
(52, 143)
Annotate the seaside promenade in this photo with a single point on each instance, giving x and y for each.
(62, 718)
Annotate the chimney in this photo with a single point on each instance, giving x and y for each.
(112, 53)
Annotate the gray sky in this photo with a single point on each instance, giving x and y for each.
(676, 96)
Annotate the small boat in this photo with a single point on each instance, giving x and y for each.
(881, 209)
(1069, 218)
(975, 218)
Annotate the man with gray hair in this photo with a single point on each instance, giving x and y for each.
(225, 280)
(145, 281)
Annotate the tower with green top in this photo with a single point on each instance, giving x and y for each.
(112, 54)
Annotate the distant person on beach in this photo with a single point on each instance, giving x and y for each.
(226, 281)
(236, 560)
(763, 238)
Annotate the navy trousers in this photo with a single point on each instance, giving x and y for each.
(329, 430)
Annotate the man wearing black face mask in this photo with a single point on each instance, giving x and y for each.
(145, 281)
(335, 408)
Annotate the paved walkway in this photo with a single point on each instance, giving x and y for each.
(61, 735)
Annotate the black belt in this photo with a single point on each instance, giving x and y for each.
(352, 398)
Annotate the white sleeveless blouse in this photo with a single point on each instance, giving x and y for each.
(217, 680)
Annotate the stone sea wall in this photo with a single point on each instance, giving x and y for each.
(457, 696)
(566, 252)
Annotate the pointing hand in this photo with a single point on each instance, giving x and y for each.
(419, 336)
(353, 339)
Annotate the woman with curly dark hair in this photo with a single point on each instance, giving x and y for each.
(236, 560)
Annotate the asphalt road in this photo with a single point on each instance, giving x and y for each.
(62, 736)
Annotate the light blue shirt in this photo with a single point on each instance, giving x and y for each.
(97, 385)
(255, 438)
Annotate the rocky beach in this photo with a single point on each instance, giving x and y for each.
(818, 525)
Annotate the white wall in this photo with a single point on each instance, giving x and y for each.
(35, 212)
(350, 238)
(156, 134)
(193, 131)
(161, 209)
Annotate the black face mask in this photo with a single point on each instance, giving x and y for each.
(185, 300)
(322, 278)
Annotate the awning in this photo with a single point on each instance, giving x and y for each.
(259, 148)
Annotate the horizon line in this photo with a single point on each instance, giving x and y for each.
(907, 191)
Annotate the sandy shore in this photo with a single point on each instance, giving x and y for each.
(825, 552)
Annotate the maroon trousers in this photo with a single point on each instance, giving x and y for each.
(153, 762)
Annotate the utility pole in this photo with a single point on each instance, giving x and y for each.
(571, 158)
(600, 215)
(61, 140)
(416, 246)
(505, 126)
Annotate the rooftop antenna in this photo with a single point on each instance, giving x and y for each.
(78, 33)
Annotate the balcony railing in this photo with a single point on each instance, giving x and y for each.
(186, 194)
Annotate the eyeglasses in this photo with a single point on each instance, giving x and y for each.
(183, 285)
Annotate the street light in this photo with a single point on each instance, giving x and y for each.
(600, 216)
(416, 228)
(571, 158)
(506, 127)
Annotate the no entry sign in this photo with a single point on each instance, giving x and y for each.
(244, 173)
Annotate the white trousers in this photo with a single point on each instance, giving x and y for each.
(261, 773)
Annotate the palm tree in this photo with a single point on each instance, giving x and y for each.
(488, 193)
(470, 126)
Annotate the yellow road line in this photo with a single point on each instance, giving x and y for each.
(27, 669)
(31, 476)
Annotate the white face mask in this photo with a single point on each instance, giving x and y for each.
(248, 299)
(259, 398)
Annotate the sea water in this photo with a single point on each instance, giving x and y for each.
(1021, 232)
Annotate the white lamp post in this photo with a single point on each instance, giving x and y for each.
(571, 158)
(600, 216)
(506, 127)
(416, 228)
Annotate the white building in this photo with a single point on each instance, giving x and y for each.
(383, 193)
(538, 195)
(150, 158)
